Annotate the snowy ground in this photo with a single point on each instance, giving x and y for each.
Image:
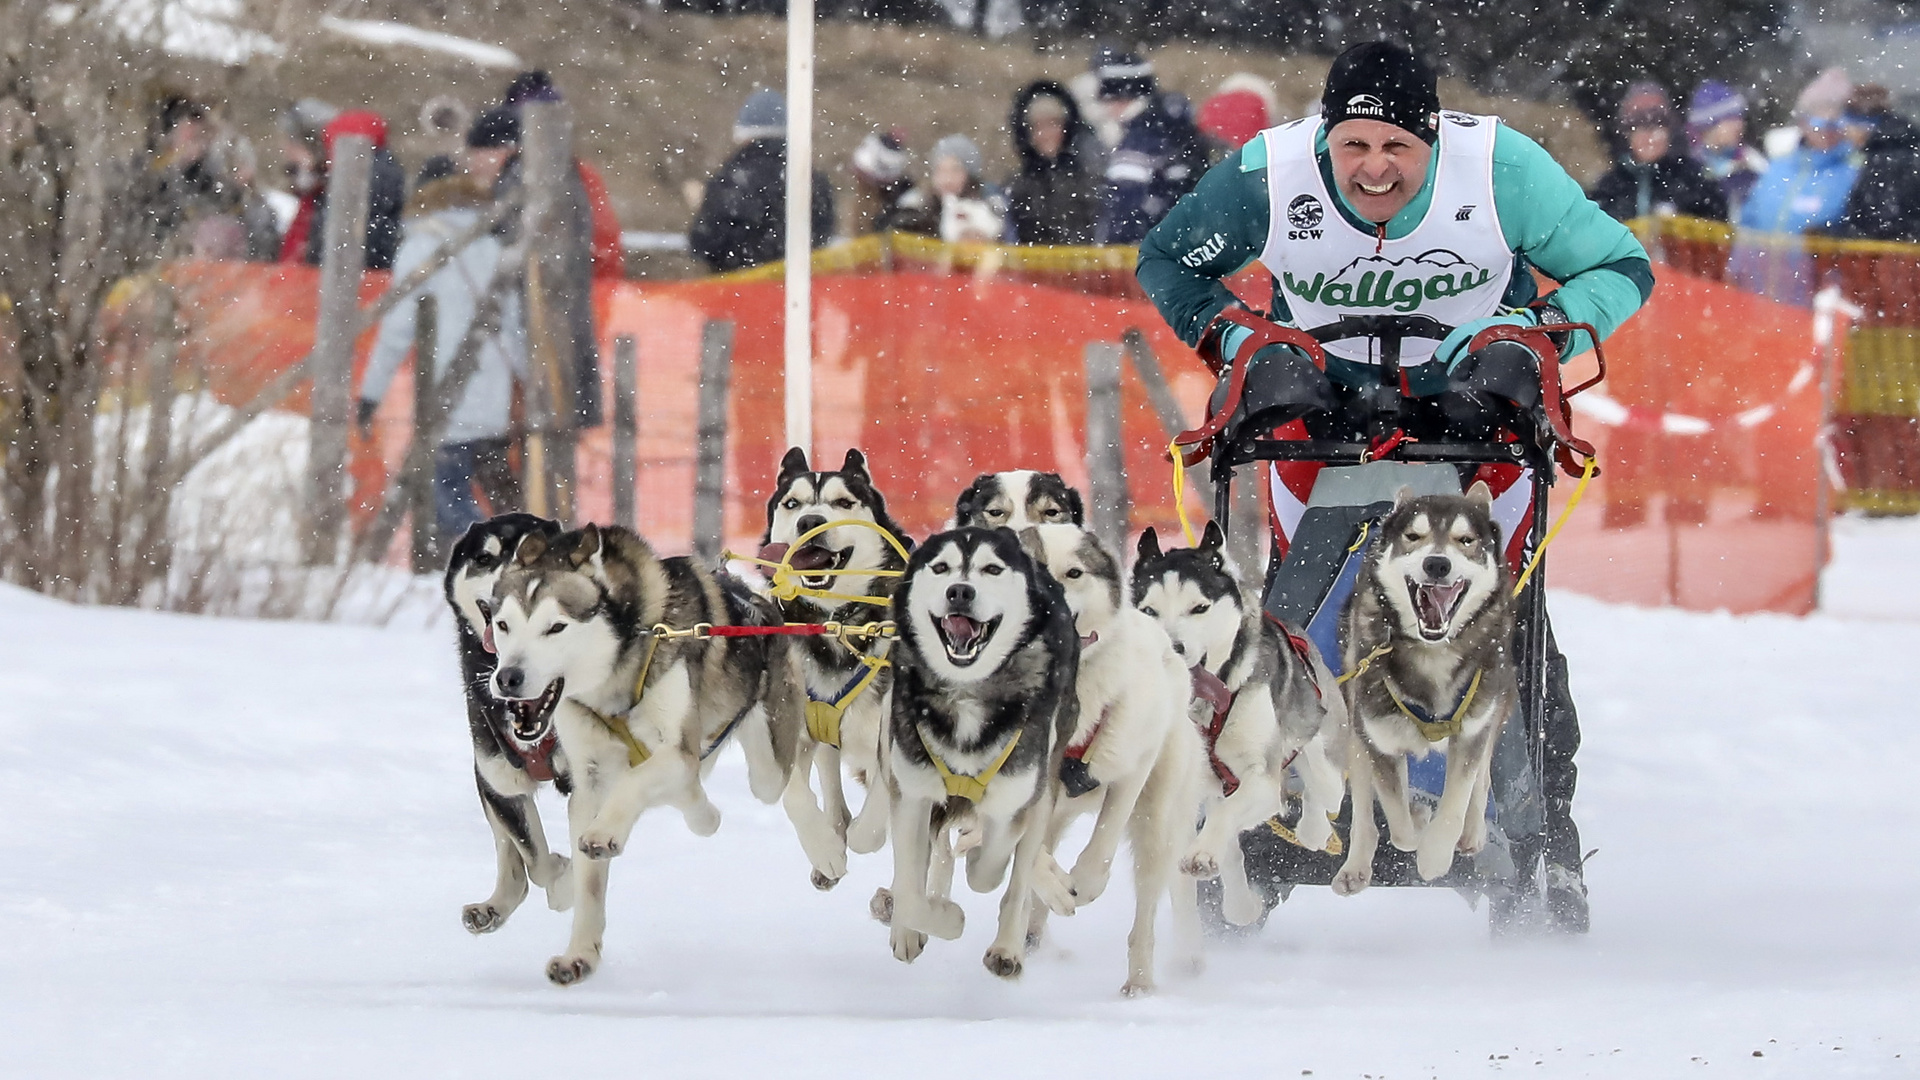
(239, 849)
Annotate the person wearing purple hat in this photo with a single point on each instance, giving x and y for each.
(1717, 135)
(1655, 178)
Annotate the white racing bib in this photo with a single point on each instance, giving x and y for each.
(1452, 267)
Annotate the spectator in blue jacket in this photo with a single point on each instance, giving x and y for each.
(1161, 152)
(1802, 193)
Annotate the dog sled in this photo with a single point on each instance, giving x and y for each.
(1329, 487)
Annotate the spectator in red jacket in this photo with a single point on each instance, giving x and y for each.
(387, 194)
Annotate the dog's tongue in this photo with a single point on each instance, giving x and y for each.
(1434, 603)
(812, 557)
(961, 631)
(486, 638)
(772, 552)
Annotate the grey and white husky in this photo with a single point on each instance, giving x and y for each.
(1133, 760)
(639, 715)
(1434, 609)
(849, 709)
(514, 748)
(1017, 499)
(1263, 699)
(983, 705)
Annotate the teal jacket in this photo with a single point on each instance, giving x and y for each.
(1604, 273)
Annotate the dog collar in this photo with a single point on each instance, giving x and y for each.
(970, 788)
(1433, 729)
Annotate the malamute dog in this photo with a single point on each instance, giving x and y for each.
(1018, 499)
(840, 693)
(514, 748)
(1434, 593)
(1133, 759)
(638, 714)
(1264, 700)
(983, 705)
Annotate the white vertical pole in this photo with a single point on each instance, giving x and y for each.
(799, 324)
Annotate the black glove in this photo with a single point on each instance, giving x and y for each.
(363, 417)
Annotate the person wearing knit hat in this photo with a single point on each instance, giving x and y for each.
(1802, 192)
(1717, 135)
(1654, 177)
(1160, 154)
(879, 166)
(1885, 201)
(1386, 204)
(957, 204)
(1242, 108)
(742, 217)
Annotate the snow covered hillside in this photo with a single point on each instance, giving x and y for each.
(239, 849)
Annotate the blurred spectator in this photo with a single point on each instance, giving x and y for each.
(193, 191)
(1055, 198)
(1802, 192)
(303, 147)
(742, 220)
(473, 443)
(386, 194)
(957, 205)
(609, 259)
(1654, 177)
(1160, 156)
(1243, 107)
(1885, 201)
(1717, 133)
(879, 180)
(493, 160)
(444, 121)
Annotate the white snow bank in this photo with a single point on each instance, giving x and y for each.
(388, 34)
(238, 849)
(203, 29)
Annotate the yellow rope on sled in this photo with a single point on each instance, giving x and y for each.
(1573, 500)
(1180, 491)
(786, 585)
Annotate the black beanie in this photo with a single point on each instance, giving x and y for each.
(496, 127)
(1378, 80)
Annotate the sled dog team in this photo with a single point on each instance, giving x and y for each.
(1026, 679)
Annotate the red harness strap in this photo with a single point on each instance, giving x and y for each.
(1208, 687)
(795, 629)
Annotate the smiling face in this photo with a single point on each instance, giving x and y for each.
(804, 500)
(1378, 167)
(548, 628)
(1440, 561)
(967, 598)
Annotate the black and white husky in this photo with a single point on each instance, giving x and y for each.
(514, 748)
(1434, 610)
(639, 715)
(1017, 499)
(1264, 700)
(983, 706)
(847, 709)
(1133, 760)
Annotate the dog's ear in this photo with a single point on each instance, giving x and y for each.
(1076, 509)
(969, 501)
(1213, 539)
(856, 465)
(532, 546)
(587, 548)
(1480, 494)
(1030, 543)
(793, 464)
(1149, 547)
(1403, 496)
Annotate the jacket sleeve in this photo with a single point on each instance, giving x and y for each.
(710, 237)
(395, 338)
(1212, 232)
(1604, 273)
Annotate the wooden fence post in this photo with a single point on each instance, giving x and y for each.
(1107, 516)
(343, 257)
(547, 155)
(419, 467)
(710, 466)
(625, 380)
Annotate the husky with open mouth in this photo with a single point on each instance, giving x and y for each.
(849, 683)
(639, 714)
(1264, 703)
(1434, 610)
(514, 747)
(983, 705)
(1018, 499)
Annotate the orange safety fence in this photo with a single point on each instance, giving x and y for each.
(1709, 495)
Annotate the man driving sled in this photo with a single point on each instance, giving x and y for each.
(1385, 205)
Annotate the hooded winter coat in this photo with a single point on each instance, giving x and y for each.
(1052, 200)
(387, 194)
(1674, 183)
(1161, 157)
(1885, 201)
(441, 210)
(742, 219)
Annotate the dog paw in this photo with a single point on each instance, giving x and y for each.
(1473, 839)
(703, 818)
(560, 891)
(482, 918)
(864, 837)
(596, 844)
(1089, 882)
(944, 919)
(1351, 879)
(822, 881)
(1137, 988)
(1434, 858)
(1054, 888)
(567, 970)
(881, 906)
(1003, 963)
(907, 944)
(1200, 864)
(1035, 936)
(1314, 831)
(1240, 906)
(966, 839)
